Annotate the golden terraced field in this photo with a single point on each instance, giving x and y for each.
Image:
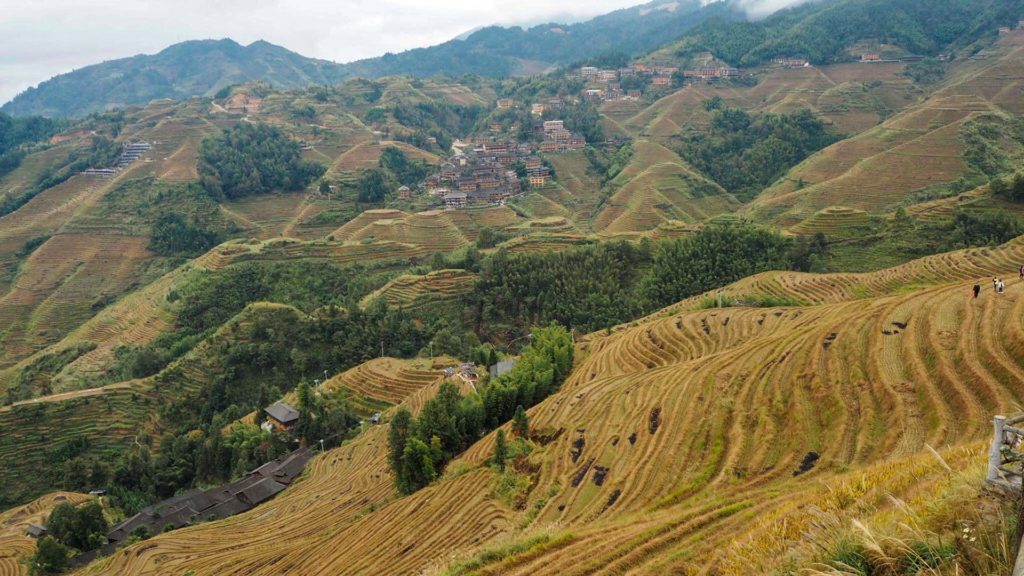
(674, 445)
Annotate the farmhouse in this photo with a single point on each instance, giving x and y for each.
(871, 57)
(404, 193)
(607, 76)
(506, 103)
(1004, 30)
(791, 62)
(551, 125)
(35, 531)
(282, 416)
(537, 109)
(239, 496)
(661, 81)
(455, 200)
(588, 71)
(260, 492)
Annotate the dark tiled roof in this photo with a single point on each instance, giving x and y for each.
(260, 492)
(283, 413)
(239, 496)
(35, 531)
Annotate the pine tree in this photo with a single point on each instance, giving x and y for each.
(520, 423)
(398, 436)
(500, 450)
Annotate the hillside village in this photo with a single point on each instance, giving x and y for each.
(747, 302)
(487, 170)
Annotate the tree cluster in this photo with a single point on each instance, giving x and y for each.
(18, 132)
(394, 169)
(419, 448)
(70, 530)
(173, 235)
(1010, 188)
(745, 153)
(251, 159)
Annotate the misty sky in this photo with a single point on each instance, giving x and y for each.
(42, 38)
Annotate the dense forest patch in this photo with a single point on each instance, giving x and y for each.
(745, 153)
(251, 159)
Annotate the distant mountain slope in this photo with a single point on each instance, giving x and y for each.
(500, 51)
(202, 67)
(194, 68)
(827, 31)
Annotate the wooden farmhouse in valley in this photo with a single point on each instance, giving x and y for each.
(282, 416)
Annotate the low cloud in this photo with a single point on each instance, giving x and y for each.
(762, 8)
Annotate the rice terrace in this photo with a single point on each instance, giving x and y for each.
(713, 288)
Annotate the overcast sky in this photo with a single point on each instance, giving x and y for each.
(42, 38)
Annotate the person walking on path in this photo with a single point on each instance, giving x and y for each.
(977, 290)
(1000, 286)
(1022, 271)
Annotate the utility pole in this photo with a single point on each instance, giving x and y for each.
(321, 445)
(431, 350)
(381, 348)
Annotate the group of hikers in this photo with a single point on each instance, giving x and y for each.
(997, 284)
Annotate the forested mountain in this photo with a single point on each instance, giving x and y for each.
(202, 67)
(824, 32)
(194, 68)
(498, 51)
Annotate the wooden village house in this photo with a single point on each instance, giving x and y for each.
(282, 416)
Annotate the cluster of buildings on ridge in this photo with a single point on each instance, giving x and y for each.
(131, 152)
(198, 505)
(484, 170)
(653, 75)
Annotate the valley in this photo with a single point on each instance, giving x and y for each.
(722, 275)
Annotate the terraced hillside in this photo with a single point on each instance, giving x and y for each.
(15, 545)
(385, 382)
(431, 231)
(411, 292)
(656, 187)
(916, 149)
(697, 441)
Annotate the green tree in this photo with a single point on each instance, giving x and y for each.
(373, 186)
(398, 436)
(500, 450)
(51, 557)
(418, 466)
(83, 527)
(520, 423)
